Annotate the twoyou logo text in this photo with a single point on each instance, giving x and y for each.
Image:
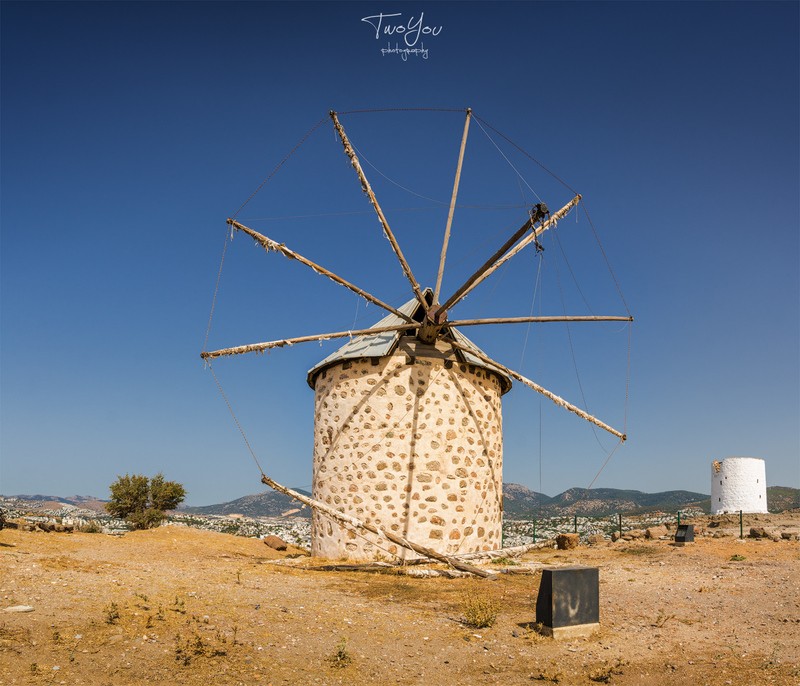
(411, 32)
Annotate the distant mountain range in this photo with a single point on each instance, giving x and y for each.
(519, 502)
(267, 504)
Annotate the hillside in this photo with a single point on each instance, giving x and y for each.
(266, 504)
(518, 502)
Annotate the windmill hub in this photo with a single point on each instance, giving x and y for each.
(434, 321)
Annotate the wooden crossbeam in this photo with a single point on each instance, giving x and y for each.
(525, 320)
(540, 389)
(500, 256)
(351, 154)
(272, 246)
(268, 345)
(452, 208)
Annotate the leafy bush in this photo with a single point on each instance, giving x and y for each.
(143, 501)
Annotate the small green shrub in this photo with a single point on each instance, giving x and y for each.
(341, 658)
(738, 558)
(91, 527)
(508, 561)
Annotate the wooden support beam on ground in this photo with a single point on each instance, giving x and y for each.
(354, 523)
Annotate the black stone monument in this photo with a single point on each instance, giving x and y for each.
(569, 600)
(684, 534)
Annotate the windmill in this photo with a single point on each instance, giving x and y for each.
(408, 428)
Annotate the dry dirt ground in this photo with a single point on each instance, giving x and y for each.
(181, 606)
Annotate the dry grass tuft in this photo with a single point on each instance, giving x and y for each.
(479, 611)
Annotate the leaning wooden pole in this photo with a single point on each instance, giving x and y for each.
(268, 345)
(540, 389)
(347, 520)
(272, 246)
(351, 153)
(452, 208)
(500, 256)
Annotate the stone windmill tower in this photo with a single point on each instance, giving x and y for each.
(738, 483)
(408, 445)
(408, 435)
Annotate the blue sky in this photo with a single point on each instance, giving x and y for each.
(131, 131)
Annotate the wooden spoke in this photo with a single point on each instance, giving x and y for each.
(268, 345)
(540, 389)
(348, 149)
(500, 257)
(525, 320)
(354, 523)
(271, 246)
(452, 208)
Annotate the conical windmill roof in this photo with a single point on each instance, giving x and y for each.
(384, 344)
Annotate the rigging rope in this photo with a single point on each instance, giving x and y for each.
(572, 352)
(610, 455)
(491, 140)
(605, 257)
(404, 109)
(288, 217)
(280, 164)
(528, 155)
(235, 420)
(228, 236)
(392, 181)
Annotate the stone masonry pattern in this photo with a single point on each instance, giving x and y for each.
(413, 446)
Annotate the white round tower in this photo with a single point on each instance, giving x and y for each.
(738, 483)
(407, 436)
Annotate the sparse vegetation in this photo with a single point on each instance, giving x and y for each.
(111, 613)
(640, 550)
(737, 558)
(662, 619)
(508, 561)
(142, 501)
(341, 657)
(91, 527)
(604, 672)
(480, 611)
(552, 676)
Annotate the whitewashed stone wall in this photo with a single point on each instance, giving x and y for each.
(416, 449)
(738, 483)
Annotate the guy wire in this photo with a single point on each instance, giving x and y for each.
(236, 421)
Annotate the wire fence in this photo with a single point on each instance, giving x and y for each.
(628, 526)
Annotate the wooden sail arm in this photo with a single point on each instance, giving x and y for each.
(540, 389)
(355, 523)
(268, 345)
(272, 246)
(351, 154)
(525, 320)
(506, 252)
(456, 182)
